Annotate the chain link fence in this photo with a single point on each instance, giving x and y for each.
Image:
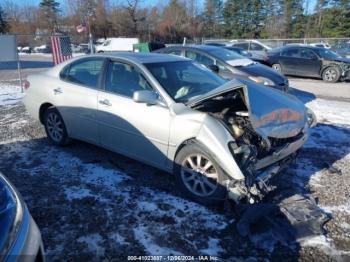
(340, 45)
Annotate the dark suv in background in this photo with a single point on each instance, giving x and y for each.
(310, 61)
(229, 64)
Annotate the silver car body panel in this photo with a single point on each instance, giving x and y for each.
(153, 134)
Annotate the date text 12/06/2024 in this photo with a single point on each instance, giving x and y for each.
(173, 258)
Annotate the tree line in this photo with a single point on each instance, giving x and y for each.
(172, 20)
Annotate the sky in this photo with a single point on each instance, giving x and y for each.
(311, 3)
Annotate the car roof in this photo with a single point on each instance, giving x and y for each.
(198, 47)
(233, 48)
(143, 58)
(304, 46)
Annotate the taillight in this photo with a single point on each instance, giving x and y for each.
(25, 84)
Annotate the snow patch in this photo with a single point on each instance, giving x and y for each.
(147, 241)
(118, 239)
(214, 247)
(76, 193)
(93, 242)
(327, 111)
(10, 94)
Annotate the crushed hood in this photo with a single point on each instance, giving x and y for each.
(341, 59)
(272, 113)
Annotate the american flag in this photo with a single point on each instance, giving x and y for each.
(61, 50)
(81, 28)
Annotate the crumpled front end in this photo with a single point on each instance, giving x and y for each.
(267, 129)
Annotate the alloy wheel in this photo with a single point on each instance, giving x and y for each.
(277, 67)
(54, 127)
(330, 75)
(199, 175)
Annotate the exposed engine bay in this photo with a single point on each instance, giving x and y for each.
(250, 149)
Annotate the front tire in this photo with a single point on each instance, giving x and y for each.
(55, 128)
(277, 67)
(198, 176)
(331, 74)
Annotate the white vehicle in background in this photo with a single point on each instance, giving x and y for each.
(76, 48)
(42, 49)
(256, 48)
(324, 45)
(26, 49)
(117, 44)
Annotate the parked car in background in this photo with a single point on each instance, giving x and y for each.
(217, 137)
(26, 50)
(117, 44)
(229, 64)
(305, 60)
(229, 46)
(324, 45)
(343, 49)
(77, 48)
(45, 49)
(215, 44)
(239, 50)
(20, 238)
(343, 52)
(256, 48)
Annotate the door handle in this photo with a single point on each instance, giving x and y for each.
(58, 90)
(105, 102)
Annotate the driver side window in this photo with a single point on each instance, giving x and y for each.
(124, 79)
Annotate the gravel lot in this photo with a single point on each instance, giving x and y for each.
(92, 204)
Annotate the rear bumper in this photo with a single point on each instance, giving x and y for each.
(32, 106)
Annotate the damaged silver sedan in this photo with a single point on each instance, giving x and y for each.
(218, 138)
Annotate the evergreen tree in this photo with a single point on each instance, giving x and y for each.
(51, 10)
(4, 26)
(212, 18)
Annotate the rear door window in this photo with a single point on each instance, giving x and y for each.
(291, 52)
(84, 72)
(307, 54)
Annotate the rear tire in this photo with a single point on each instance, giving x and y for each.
(55, 128)
(277, 67)
(331, 74)
(198, 176)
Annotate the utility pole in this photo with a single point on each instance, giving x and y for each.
(90, 35)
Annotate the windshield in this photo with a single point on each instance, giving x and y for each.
(184, 80)
(225, 55)
(328, 54)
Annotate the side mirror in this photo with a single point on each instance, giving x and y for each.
(250, 54)
(214, 68)
(146, 96)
